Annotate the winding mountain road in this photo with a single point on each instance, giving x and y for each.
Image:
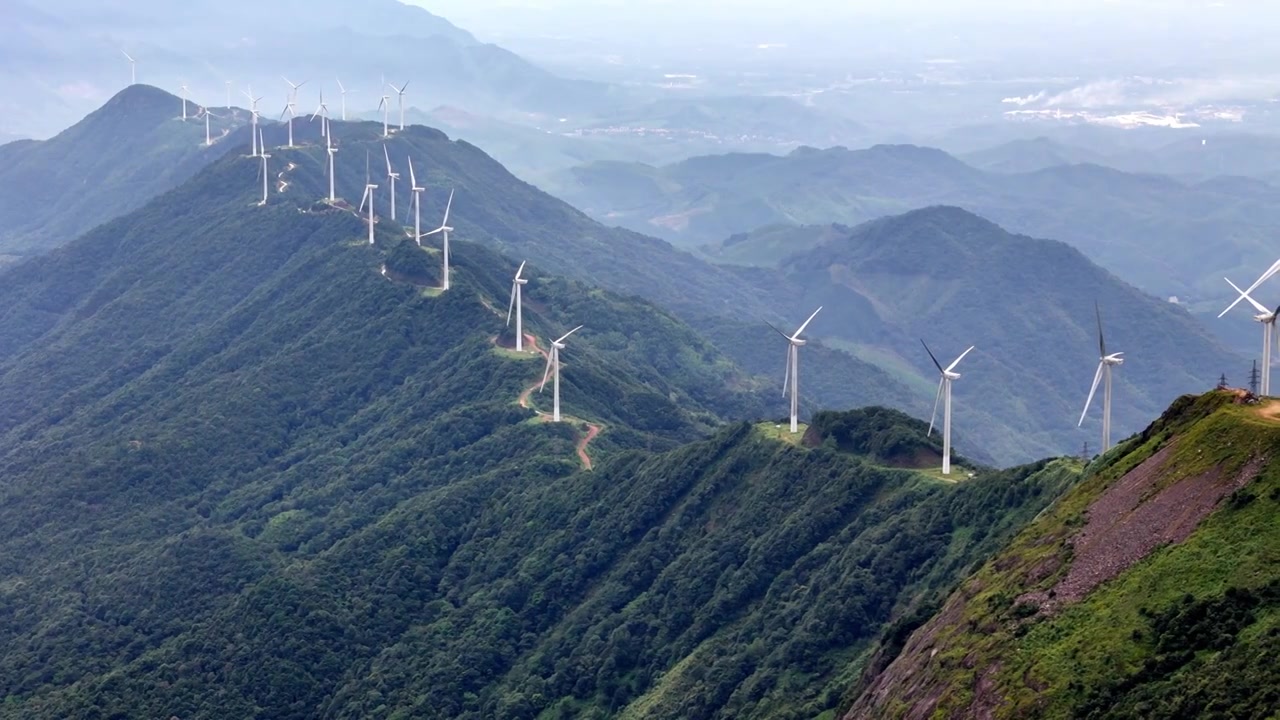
(593, 430)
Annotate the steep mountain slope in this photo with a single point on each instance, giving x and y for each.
(1150, 590)
(111, 162)
(248, 473)
(1166, 236)
(65, 57)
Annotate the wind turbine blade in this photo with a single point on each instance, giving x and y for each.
(1256, 305)
(936, 398)
(1275, 268)
(341, 88)
(786, 376)
(562, 338)
(931, 357)
(551, 356)
(363, 199)
(775, 329)
(447, 206)
(413, 179)
(806, 322)
(1097, 378)
(386, 155)
(1102, 344)
(520, 270)
(127, 55)
(511, 306)
(402, 89)
(953, 365)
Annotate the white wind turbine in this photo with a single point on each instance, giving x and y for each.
(253, 117)
(444, 230)
(392, 176)
(400, 92)
(183, 87)
(289, 109)
(264, 155)
(1268, 320)
(513, 308)
(1268, 324)
(343, 91)
(208, 135)
(385, 107)
(369, 187)
(133, 68)
(553, 365)
(791, 380)
(293, 89)
(944, 393)
(1103, 375)
(323, 111)
(417, 204)
(331, 150)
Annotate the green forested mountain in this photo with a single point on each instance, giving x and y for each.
(955, 280)
(1167, 236)
(248, 474)
(120, 156)
(1150, 590)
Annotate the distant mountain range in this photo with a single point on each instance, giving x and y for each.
(872, 335)
(64, 59)
(1167, 236)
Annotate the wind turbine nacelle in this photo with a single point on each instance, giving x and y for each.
(951, 375)
(1115, 359)
(799, 343)
(558, 345)
(522, 281)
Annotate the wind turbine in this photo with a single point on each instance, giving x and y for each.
(1268, 323)
(400, 91)
(208, 137)
(343, 90)
(553, 364)
(253, 117)
(183, 88)
(331, 150)
(264, 157)
(444, 229)
(323, 112)
(369, 187)
(133, 68)
(392, 176)
(514, 307)
(417, 204)
(944, 391)
(385, 107)
(1268, 320)
(1105, 363)
(791, 380)
(228, 95)
(293, 89)
(289, 108)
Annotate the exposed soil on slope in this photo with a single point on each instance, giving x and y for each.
(1129, 520)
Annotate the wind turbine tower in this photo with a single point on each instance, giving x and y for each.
(323, 112)
(289, 108)
(133, 68)
(369, 187)
(264, 155)
(553, 366)
(1105, 363)
(392, 176)
(208, 135)
(417, 204)
(513, 308)
(253, 118)
(791, 380)
(948, 376)
(444, 231)
(400, 92)
(342, 90)
(330, 151)
(385, 107)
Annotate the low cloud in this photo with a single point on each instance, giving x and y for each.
(1025, 100)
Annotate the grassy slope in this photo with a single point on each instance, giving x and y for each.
(1088, 659)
